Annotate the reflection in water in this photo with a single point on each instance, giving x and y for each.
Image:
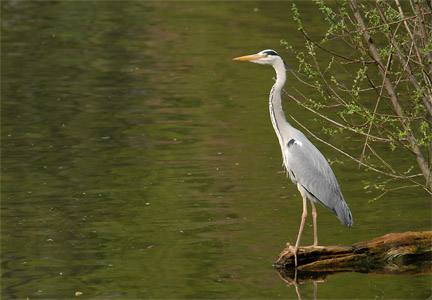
(296, 278)
(421, 265)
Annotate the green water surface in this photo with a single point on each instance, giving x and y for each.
(139, 160)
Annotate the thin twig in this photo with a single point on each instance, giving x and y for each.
(380, 158)
(334, 122)
(367, 166)
(373, 28)
(347, 155)
(407, 68)
(330, 52)
(375, 109)
(423, 164)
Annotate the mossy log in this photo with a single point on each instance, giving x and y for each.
(394, 253)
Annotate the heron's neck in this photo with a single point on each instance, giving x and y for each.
(277, 115)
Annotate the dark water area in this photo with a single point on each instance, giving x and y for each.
(139, 160)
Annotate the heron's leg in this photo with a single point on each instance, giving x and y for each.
(297, 288)
(315, 290)
(303, 220)
(314, 216)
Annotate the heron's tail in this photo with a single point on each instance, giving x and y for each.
(343, 212)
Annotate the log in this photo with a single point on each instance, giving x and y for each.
(394, 253)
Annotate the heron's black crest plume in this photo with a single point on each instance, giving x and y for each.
(271, 52)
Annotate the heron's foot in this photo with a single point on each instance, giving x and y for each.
(303, 249)
(313, 247)
(289, 248)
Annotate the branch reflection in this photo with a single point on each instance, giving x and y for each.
(295, 277)
(298, 276)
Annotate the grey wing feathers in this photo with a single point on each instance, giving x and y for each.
(307, 166)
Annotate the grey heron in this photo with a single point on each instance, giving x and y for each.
(305, 164)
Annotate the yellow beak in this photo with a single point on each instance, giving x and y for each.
(248, 57)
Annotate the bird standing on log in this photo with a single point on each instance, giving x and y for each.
(305, 164)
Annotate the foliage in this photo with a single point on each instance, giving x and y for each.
(373, 72)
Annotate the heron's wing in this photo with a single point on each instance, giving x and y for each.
(311, 170)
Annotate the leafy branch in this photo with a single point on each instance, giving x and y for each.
(381, 88)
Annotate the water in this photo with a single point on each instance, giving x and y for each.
(139, 161)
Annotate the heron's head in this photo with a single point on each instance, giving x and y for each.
(265, 57)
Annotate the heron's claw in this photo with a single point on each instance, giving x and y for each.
(289, 249)
(314, 247)
(289, 246)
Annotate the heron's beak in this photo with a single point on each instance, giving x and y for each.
(249, 57)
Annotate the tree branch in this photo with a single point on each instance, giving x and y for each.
(380, 139)
(392, 93)
(353, 158)
(427, 102)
